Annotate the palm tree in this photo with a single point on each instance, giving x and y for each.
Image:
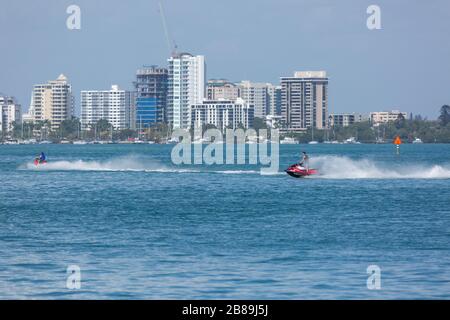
(400, 122)
(444, 118)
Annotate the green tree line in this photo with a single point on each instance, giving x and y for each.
(437, 131)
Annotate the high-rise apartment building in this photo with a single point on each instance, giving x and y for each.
(187, 74)
(274, 100)
(151, 88)
(10, 112)
(221, 89)
(256, 94)
(304, 100)
(53, 101)
(111, 105)
(223, 114)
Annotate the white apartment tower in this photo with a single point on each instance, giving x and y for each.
(186, 87)
(53, 101)
(10, 112)
(112, 105)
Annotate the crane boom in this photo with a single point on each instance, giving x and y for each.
(170, 43)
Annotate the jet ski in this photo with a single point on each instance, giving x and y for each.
(298, 171)
(38, 162)
(41, 159)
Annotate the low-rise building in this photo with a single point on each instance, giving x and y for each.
(377, 118)
(223, 114)
(218, 89)
(274, 121)
(345, 119)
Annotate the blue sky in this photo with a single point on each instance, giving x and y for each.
(406, 65)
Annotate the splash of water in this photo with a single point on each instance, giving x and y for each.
(117, 164)
(335, 167)
(330, 167)
(129, 163)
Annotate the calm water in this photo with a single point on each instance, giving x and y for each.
(140, 227)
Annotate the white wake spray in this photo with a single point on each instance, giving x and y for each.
(335, 167)
(129, 163)
(330, 167)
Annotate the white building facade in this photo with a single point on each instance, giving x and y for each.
(53, 101)
(377, 118)
(223, 114)
(186, 87)
(112, 105)
(10, 112)
(345, 119)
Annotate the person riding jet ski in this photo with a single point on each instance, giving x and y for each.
(41, 159)
(300, 170)
(304, 162)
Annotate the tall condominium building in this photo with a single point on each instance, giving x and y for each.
(256, 94)
(304, 100)
(221, 89)
(53, 101)
(377, 118)
(111, 105)
(10, 112)
(151, 87)
(345, 119)
(223, 114)
(187, 75)
(274, 100)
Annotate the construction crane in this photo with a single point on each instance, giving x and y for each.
(172, 46)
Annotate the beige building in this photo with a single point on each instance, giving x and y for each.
(221, 90)
(52, 101)
(304, 100)
(257, 95)
(377, 118)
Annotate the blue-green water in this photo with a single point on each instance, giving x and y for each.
(140, 227)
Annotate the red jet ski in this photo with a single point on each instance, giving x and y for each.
(38, 162)
(297, 171)
(41, 159)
